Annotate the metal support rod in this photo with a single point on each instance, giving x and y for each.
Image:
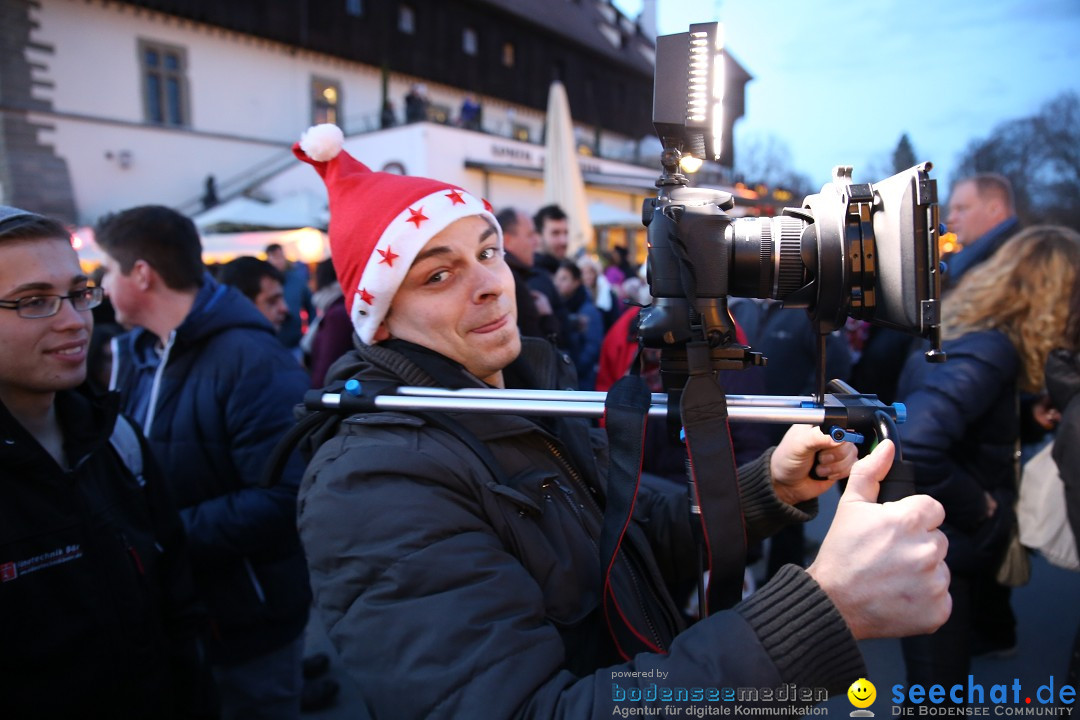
(495, 401)
(796, 401)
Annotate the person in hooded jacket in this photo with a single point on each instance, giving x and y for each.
(454, 556)
(98, 613)
(213, 389)
(586, 329)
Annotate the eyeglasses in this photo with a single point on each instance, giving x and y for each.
(43, 306)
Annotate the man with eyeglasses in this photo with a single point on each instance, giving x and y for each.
(97, 604)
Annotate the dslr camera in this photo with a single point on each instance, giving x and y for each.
(862, 250)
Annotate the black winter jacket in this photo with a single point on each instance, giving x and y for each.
(961, 432)
(98, 616)
(212, 407)
(449, 592)
(1063, 385)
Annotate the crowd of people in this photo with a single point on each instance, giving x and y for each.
(463, 564)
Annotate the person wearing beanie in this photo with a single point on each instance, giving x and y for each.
(98, 613)
(213, 389)
(454, 556)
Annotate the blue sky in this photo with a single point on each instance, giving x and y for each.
(839, 82)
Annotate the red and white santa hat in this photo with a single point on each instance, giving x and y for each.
(379, 222)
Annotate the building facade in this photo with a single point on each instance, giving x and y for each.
(107, 104)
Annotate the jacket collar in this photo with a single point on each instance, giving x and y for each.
(981, 249)
(216, 308)
(539, 366)
(86, 422)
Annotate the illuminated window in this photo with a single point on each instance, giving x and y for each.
(438, 113)
(508, 55)
(325, 101)
(164, 83)
(469, 42)
(406, 19)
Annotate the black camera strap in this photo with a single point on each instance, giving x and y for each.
(714, 483)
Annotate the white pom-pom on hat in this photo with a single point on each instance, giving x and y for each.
(322, 142)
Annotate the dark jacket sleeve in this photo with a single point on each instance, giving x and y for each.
(1063, 383)
(435, 617)
(258, 412)
(184, 617)
(1067, 456)
(943, 401)
(663, 512)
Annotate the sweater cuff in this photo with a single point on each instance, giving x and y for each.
(803, 632)
(765, 513)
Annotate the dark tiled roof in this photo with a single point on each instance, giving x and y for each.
(580, 21)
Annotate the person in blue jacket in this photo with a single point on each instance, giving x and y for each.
(455, 558)
(586, 331)
(963, 427)
(297, 294)
(213, 389)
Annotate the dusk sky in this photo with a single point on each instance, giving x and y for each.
(839, 82)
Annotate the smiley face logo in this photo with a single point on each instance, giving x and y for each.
(862, 693)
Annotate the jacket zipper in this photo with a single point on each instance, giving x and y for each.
(255, 581)
(135, 558)
(633, 570)
(151, 409)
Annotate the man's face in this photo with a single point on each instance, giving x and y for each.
(565, 283)
(41, 355)
(271, 301)
(971, 215)
(277, 259)
(123, 291)
(556, 236)
(458, 300)
(523, 241)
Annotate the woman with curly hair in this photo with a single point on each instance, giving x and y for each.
(999, 325)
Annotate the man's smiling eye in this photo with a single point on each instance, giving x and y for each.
(488, 253)
(436, 277)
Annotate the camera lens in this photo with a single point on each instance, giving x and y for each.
(766, 257)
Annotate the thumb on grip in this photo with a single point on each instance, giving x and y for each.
(867, 473)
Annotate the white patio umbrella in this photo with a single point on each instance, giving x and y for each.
(296, 210)
(563, 185)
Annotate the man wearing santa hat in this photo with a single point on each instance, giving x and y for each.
(454, 556)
